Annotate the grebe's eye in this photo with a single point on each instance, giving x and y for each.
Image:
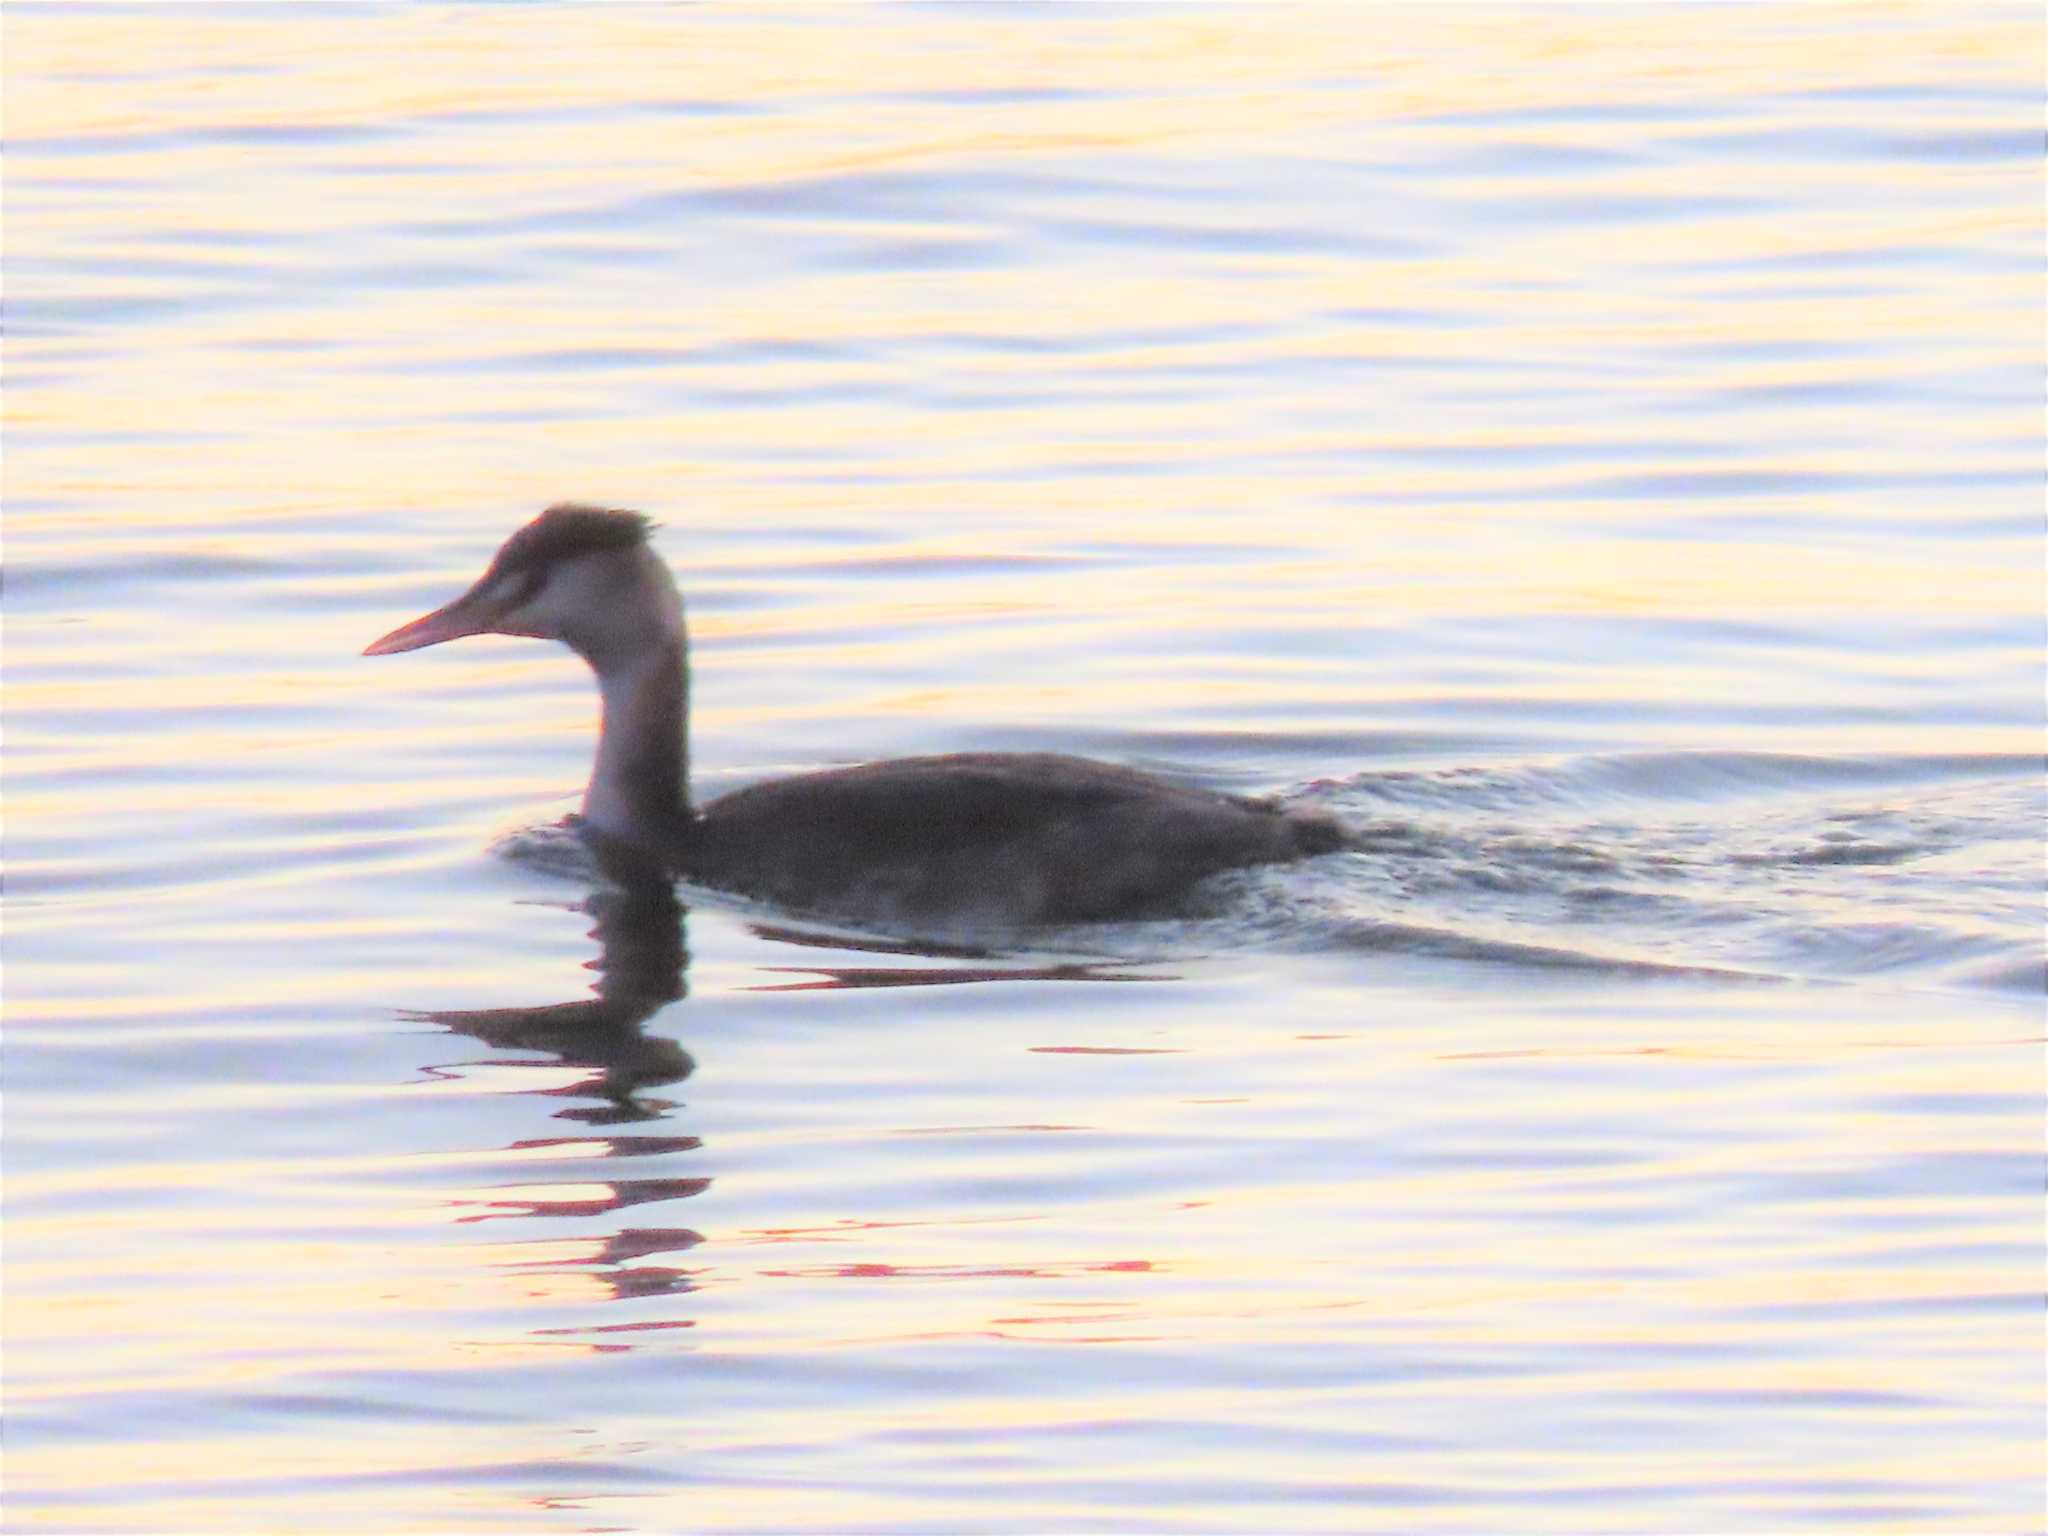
(518, 587)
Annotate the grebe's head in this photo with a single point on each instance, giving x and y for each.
(583, 575)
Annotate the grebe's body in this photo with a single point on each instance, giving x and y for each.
(985, 838)
(1001, 839)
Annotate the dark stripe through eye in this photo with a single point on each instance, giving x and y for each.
(515, 587)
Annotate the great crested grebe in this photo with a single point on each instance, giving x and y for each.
(974, 838)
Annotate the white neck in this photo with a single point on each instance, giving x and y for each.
(639, 788)
(621, 613)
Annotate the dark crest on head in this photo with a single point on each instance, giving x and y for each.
(567, 530)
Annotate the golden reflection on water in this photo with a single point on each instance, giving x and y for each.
(937, 446)
(397, 450)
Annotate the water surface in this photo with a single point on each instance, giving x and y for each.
(1597, 453)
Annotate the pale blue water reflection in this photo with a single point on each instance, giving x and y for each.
(1595, 452)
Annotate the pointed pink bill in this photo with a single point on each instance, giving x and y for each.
(465, 616)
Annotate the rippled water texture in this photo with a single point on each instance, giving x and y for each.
(1594, 451)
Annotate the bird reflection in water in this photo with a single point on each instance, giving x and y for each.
(640, 968)
(978, 965)
(640, 963)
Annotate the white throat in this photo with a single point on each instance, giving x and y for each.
(639, 787)
(622, 614)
